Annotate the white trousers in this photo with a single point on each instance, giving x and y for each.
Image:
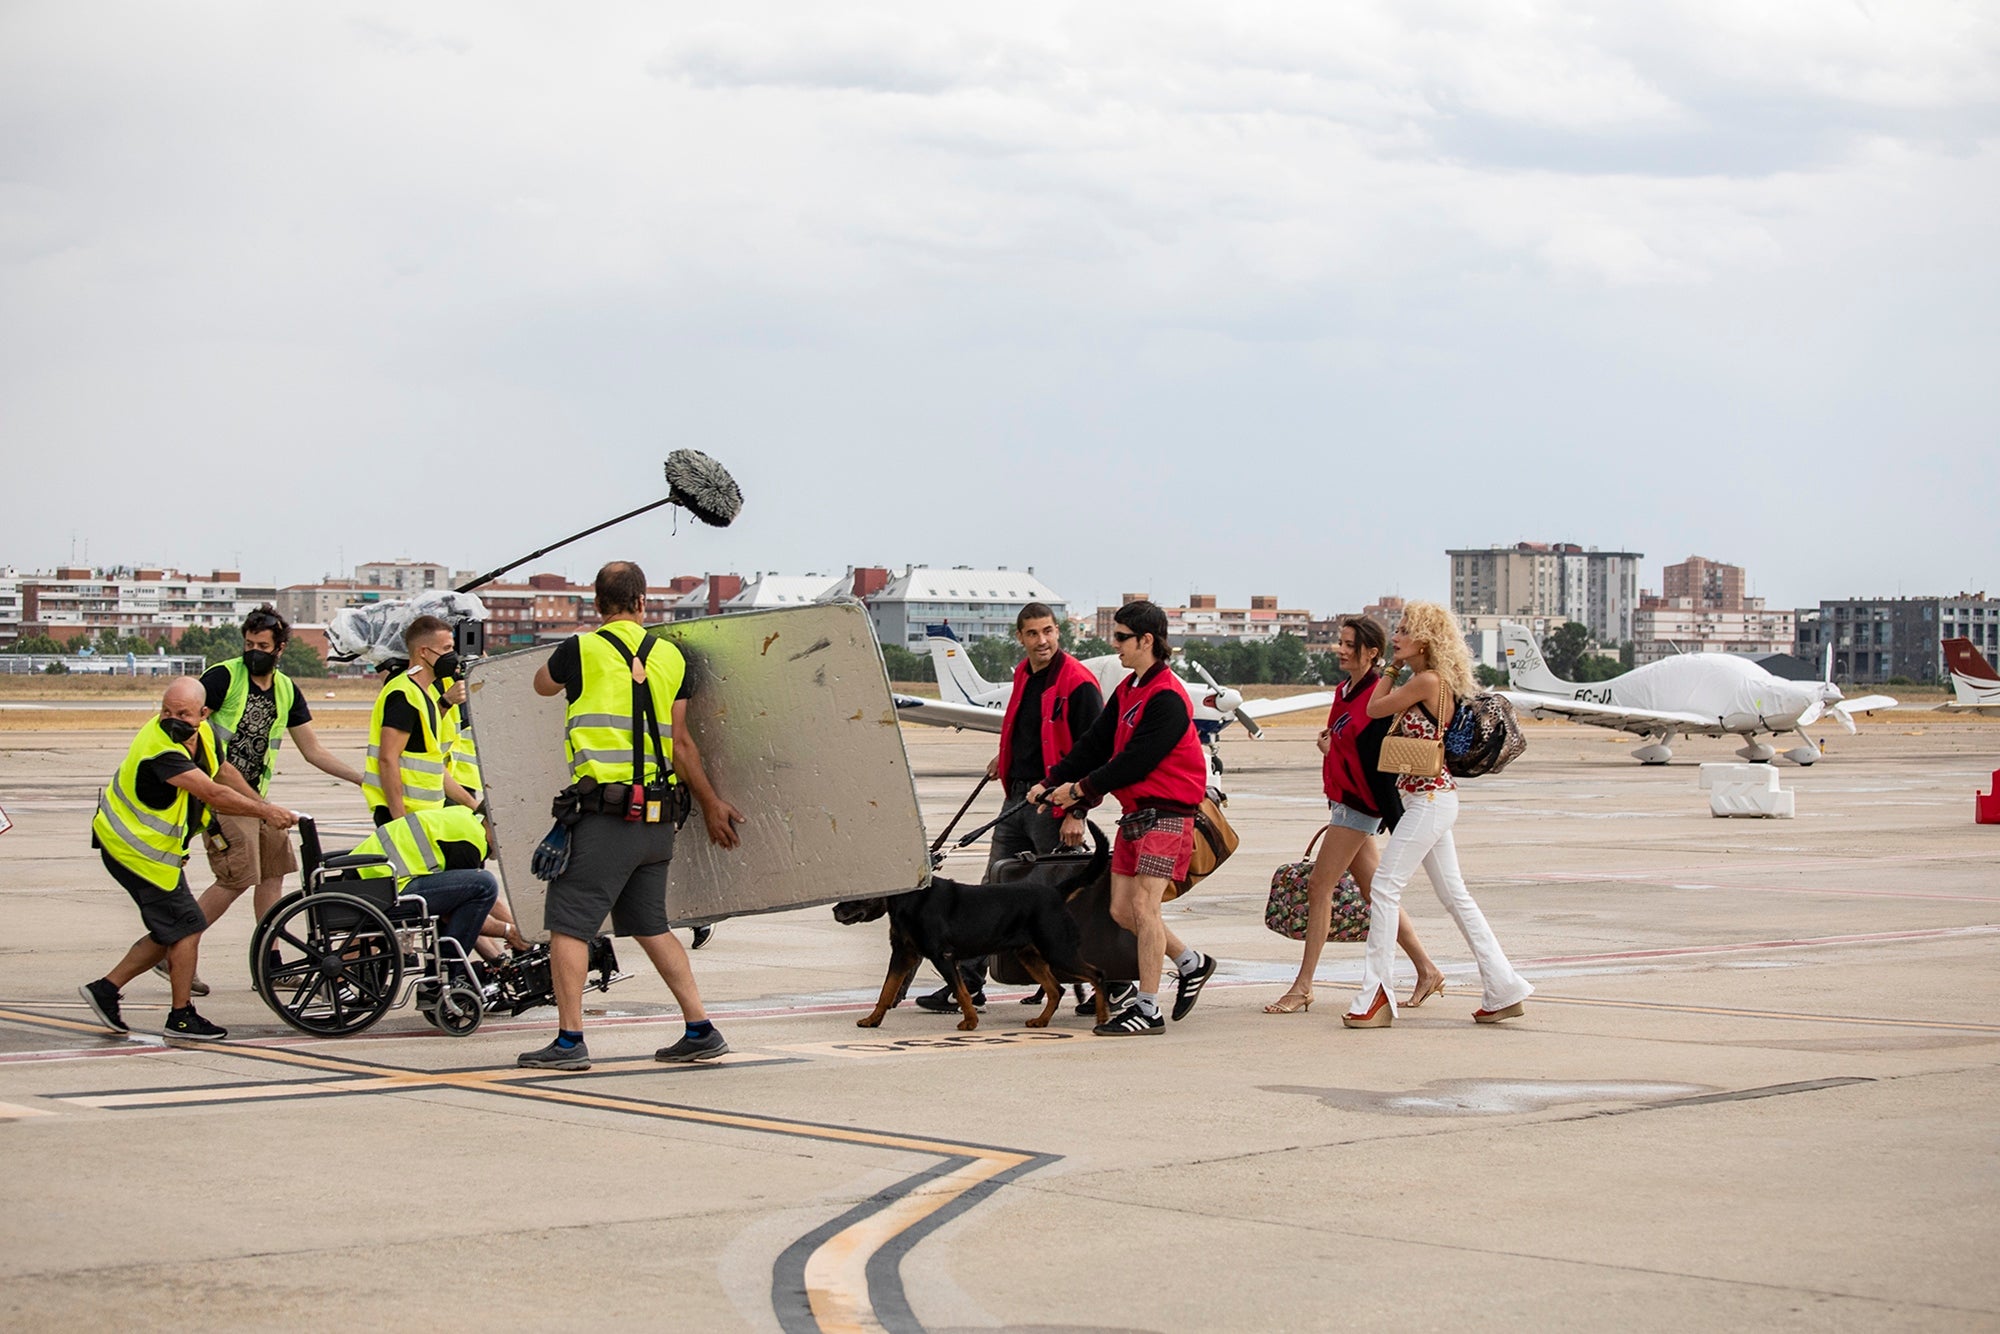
(1423, 836)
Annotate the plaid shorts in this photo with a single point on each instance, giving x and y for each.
(1163, 850)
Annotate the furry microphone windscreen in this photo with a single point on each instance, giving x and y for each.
(702, 487)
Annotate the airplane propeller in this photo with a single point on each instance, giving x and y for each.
(1227, 702)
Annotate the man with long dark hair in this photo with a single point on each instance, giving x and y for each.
(1143, 751)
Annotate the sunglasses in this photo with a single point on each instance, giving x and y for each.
(1120, 636)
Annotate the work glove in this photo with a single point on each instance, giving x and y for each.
(551, 857)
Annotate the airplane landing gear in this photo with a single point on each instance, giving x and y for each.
(1804, 753)
(1758, 752)
(1656, 751)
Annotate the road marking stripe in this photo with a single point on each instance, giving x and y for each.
(1737, 1012)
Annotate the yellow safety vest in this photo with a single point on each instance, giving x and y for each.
(598, 726)
(411, 843)
(461, 749)
(149, 843)
(223, 721)
(423, 761)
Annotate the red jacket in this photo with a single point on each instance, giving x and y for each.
(1181, 778)
(1056, 736)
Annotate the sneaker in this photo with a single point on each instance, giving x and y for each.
(692, 1048)
(195, 988)
(945, 1001)
(1040, 997)
(427, 994)
(187, 1024)
(103, 998)
(1130, 1022)
(701, 935)
(1117, 995)
(556, 1057)
(1191, 985)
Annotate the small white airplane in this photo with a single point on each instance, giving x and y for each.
(968, 700)
(1975, 685)
(1694, 694)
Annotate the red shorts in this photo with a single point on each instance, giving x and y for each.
(1163, 850)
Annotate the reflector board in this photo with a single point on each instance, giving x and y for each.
(793, 717)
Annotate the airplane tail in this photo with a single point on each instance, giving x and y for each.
(1526, 669)
(1972, 677)
(958, 681)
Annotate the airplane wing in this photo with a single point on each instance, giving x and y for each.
(1271, 708)
(1867, 703)
(937, 713)
(1640, 722)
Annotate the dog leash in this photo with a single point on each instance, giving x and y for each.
(989, 824)
(939, 842)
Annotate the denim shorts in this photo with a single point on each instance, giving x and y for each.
(1342, 816)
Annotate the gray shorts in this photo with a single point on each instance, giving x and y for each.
(616, 869)
(1342, 816)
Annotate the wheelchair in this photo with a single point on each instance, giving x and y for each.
(333, 957)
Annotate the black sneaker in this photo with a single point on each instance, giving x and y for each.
(103, 998)
(556, 1057)
(1041, 997)
(701, 935)
(945, 1001)
(1191, 985)
(195, 988)
(692, 1048)
(1130, 1022)
(187, 1024)
(1117, 995)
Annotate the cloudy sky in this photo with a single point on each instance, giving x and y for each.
(1253, 298)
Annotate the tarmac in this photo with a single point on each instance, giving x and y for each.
(1757, 1088)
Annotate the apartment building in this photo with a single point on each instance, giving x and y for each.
(1540, 580)
(1874, 639)
(1201, 619)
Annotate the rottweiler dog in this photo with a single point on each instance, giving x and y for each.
(949, 921)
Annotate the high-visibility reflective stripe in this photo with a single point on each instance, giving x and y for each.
(409, 761)
(135, 844)
(621, 721)
(223, 735)
(426, 848)
(623, 757)
(139, 813)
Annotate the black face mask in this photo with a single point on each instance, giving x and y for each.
(447, 665)
(179, 730)
(259, 662)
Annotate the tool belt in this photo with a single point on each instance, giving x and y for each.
(587, 796)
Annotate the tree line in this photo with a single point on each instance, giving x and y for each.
(299, 659)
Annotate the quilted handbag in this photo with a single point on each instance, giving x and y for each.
(1285, 911)
(1412, 756)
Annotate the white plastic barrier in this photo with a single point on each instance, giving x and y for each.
(1746, 790)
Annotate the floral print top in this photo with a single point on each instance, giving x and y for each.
(1417, 722)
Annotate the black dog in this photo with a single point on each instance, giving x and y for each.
(949, 921)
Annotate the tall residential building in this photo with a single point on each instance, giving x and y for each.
(405, 576)
(1539, 580)
(1703, 609)
(1875, 639)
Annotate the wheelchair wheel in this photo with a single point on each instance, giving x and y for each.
(327, 963)
(459, 1010)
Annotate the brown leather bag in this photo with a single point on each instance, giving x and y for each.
(1411, 756)
(1214, 840)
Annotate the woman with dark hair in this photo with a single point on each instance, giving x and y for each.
(1142, 750)
(1360, 801)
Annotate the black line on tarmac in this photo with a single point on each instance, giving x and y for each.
(789, 1299)
(1736, 1095)
(885, 1275)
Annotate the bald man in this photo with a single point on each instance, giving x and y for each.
(161, 796)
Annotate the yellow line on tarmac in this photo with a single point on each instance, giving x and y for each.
(836, 1273)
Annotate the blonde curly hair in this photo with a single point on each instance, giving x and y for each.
(1436, 632)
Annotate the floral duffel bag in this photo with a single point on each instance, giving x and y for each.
(1285, 912)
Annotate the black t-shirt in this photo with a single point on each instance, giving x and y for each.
(260, 706)
(399, 713)
(155, 789)
(460, 855)
(566, 670)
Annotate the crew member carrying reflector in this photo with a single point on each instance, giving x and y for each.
(634, 767)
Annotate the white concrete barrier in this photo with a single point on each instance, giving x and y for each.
(1746, 790)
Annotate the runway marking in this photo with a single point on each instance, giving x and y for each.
(1748, 946)
(1736, 1012)
(1685, 882)
(843, 1278)
(864, 1048)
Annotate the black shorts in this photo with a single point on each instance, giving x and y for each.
(617, 868)
(169, 914)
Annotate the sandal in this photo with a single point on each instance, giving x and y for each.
(1292, 1002)
(1424, 993)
